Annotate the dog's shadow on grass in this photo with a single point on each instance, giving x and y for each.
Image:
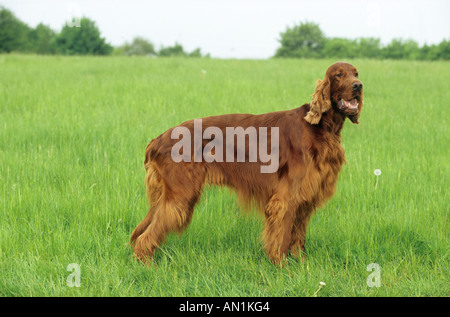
(208, 240)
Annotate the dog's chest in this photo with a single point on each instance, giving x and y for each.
(327, 165)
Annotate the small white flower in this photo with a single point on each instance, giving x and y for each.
(321, 284)
(203, 72)
(377, 172)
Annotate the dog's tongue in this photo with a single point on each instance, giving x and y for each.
(352, 104)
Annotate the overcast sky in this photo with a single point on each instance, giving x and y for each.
(242, 28)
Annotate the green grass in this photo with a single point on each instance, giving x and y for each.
(73, 134)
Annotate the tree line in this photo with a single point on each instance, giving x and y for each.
(17, 36)
(307, 40)
(79, 37)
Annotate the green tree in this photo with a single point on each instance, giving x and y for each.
(304, 40)
(434, 52)
(340, 48)
(42, 39)
(82, 40)
(176, 50)
(13, 32)
(441, 51)
(369, 47)
(139, 46)
(400, 49)
(195, 53)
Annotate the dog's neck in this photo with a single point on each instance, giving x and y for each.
(331, 122)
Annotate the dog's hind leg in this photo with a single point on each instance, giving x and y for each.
(168, 217)
(142, 226)
(154, 189)
(172, 209)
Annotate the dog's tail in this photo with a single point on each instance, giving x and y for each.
(154, 190)
(153, 180)
(151, 152)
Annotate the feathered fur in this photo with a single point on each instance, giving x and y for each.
(310, 158)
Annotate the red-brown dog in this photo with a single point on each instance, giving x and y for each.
(305, 151)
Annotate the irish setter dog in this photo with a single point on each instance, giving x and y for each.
(306, 149)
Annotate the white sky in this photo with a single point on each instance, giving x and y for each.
(242, 28)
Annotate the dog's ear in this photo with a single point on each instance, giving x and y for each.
(321, 101)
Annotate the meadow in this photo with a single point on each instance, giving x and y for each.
(73, 134)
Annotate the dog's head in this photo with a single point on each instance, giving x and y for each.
(340, 90)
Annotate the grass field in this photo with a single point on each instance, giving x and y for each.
(73, 134)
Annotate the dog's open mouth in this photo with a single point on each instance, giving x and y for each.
(350, 106)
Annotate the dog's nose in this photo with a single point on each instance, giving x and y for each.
(357, 86)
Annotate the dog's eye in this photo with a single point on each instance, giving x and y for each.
(339, 75)
(356, 75)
